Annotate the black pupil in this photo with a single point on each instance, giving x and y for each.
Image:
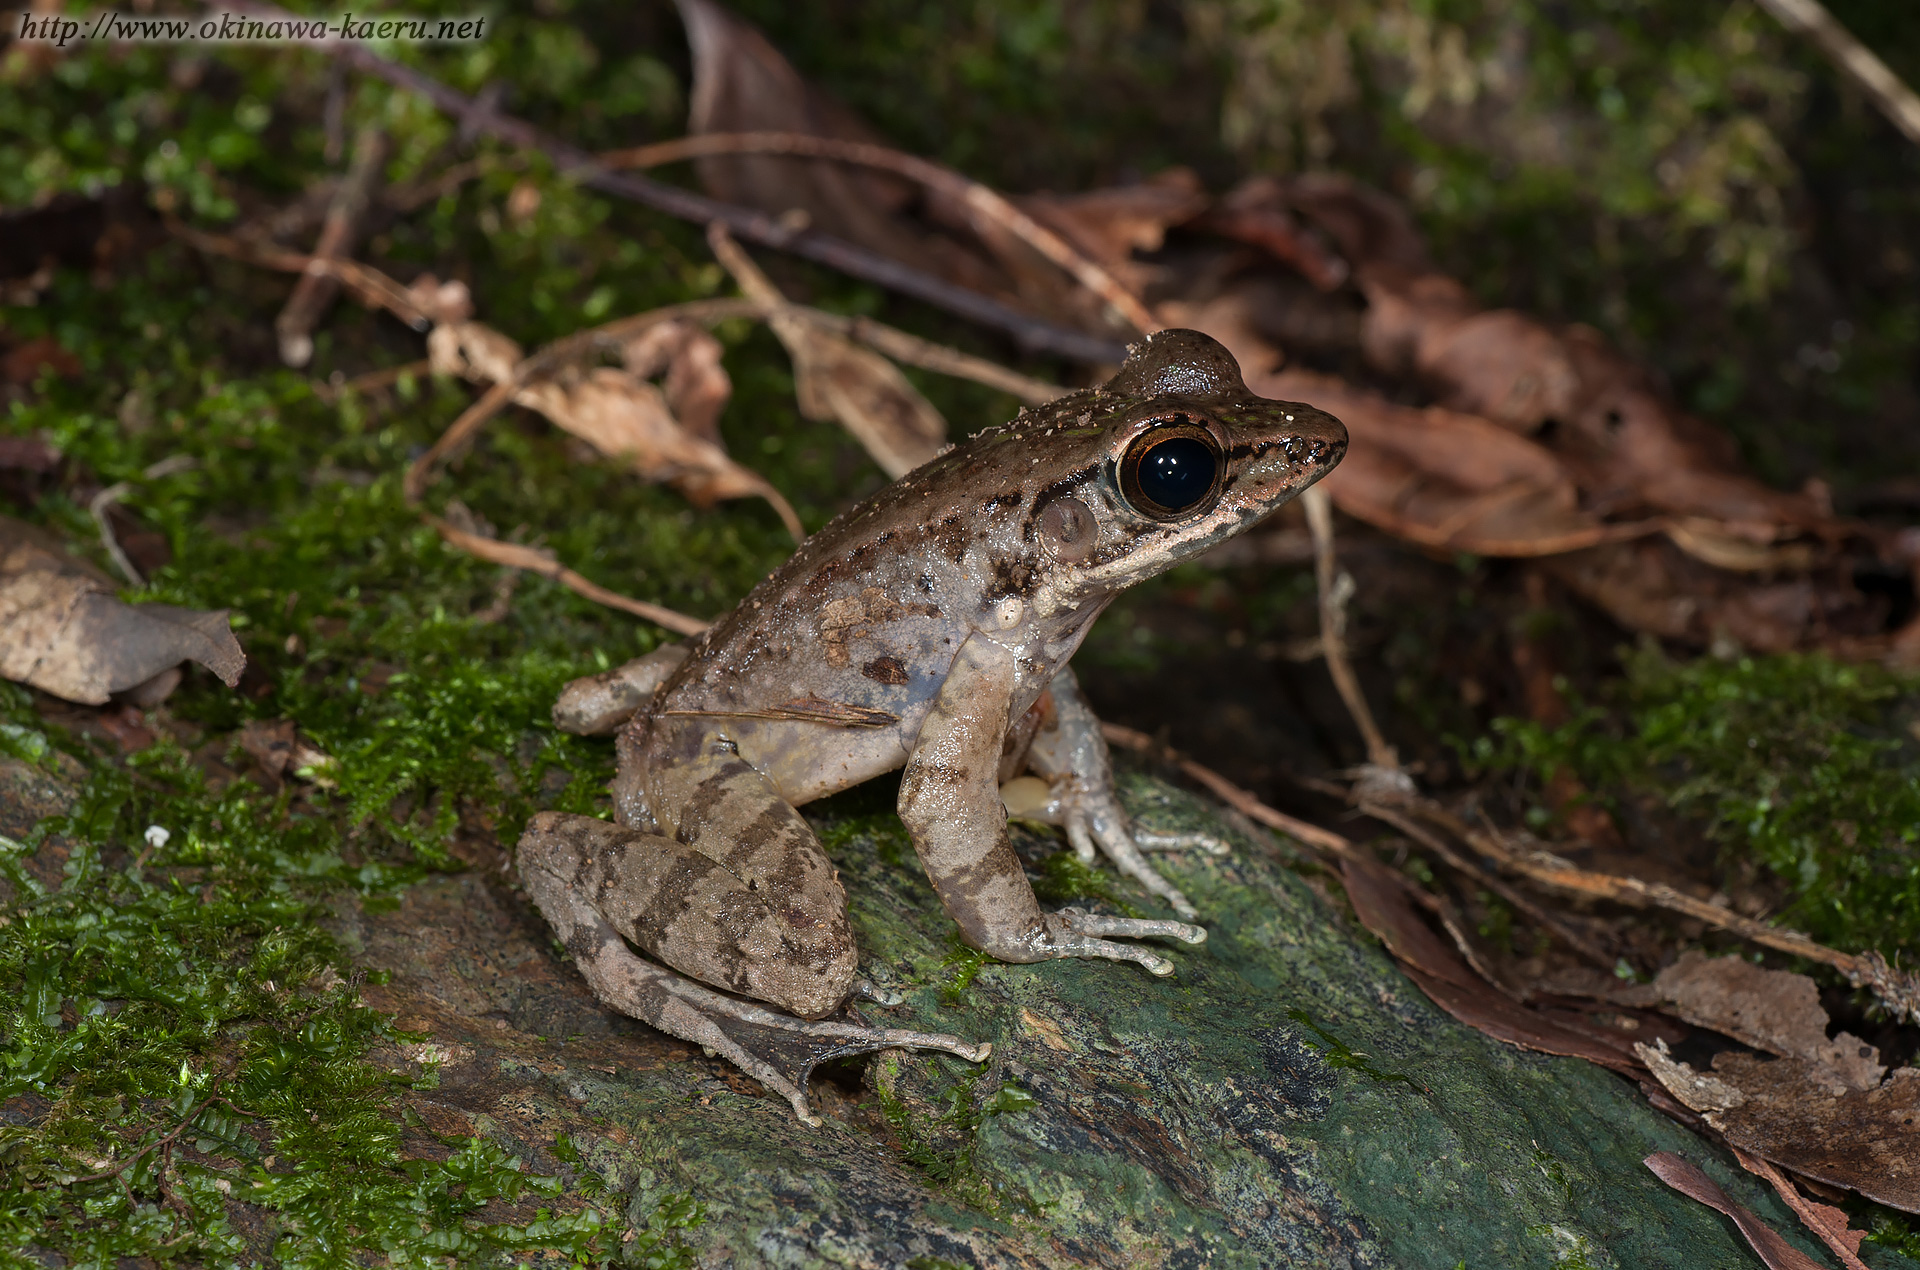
(1176, 473)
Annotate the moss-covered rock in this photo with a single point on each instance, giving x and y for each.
(1289, 1098)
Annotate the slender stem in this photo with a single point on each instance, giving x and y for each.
(977, 198)
(533, 560)
(479, 117)
(1853, 59)
(1333, 629)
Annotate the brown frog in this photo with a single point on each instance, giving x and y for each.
(928, 628)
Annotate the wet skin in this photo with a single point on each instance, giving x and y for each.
(928, 627)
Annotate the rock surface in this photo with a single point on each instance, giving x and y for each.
(1288, 1099)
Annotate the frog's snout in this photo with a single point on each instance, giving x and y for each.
(1298, 447)
(1318, 440)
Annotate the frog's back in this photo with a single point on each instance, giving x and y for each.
(847, 643)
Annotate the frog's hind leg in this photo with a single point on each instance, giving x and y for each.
(600, 885)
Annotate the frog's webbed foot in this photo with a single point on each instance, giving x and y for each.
(778, 1050)
(569, 862)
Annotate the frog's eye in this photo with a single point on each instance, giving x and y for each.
(1172, 471)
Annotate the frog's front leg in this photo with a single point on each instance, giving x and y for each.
(748, 903)
(950, 802)
(1072, 756)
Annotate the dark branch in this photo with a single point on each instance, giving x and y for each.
(478, 117)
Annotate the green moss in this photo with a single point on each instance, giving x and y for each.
(1064, 879)
(1338, 1054)
(1806, 765)
(945, 1146)
(176, 1024)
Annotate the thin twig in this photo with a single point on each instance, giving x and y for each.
(415, 194)
(1461, 864)
(1032, 333)
(1235, 797)
(314, 292)
(914, 351)
(105, 500)
(166, 1143)
(1898, 990)
(534, 560)
(373, 288)
(1333, 628)
(371, 380)
(1853, 59)
(986, 203)
(98, 508)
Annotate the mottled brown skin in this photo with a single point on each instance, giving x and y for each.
(919, 630)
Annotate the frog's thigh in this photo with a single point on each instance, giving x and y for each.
(694, 913)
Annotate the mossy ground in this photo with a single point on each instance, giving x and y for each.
(178, 1017)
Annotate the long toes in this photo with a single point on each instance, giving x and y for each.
(1077, 940)
(1149, 841)
(1137, 928)
(1126, 857)
(1081, 838)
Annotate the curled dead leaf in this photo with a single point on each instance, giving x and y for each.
(1380, 900)
(619, 413)
(1448, 480)
(741, 83)
(687, 357)
(1684, 1176)
(835, 378)
(1772, 1010)
(63, 631)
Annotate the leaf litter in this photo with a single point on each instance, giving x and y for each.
(1532, 441)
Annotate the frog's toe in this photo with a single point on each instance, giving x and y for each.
(1111, 833)
(1134, 927)
(1147, 840)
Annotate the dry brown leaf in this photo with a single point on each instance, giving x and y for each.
(618, 413)
(1621, 437)
(1653, 586)
(63, 631)
(1110, 224)
(1255, 212)
(835, 378)
(1799, 1114)
(28, 454)
(1447, 480)
(22, 364)
(1380, 900)
(741, 83)
(696, 384)
(1684, 1176)
(1772, 1010)
(1827, 1223)
(1443, 479)
(440, 301)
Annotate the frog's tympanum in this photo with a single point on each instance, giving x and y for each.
(928, 628)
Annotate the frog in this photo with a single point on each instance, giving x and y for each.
(926, 629)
